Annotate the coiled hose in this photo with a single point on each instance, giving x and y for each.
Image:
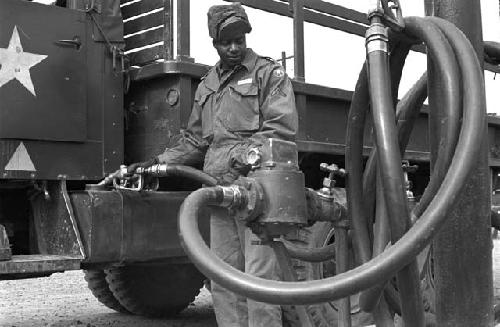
(405, 249)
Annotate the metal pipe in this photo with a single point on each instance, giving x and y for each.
(342, 265)
(289, 274)
(464, 297)
(298, 39)
(168, 30)
(183, 30)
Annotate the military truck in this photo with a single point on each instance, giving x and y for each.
(89, 85)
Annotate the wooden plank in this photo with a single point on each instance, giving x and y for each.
(141, 7)
(144, 39)
(336, 10)
(335, 23)
(144, 22)
(146, 56)
(310, 16)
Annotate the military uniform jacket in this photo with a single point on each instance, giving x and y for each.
(234, 110)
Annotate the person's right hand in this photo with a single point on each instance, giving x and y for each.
(143, 164)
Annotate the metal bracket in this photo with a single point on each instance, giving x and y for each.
(69, 208)
(391, 14)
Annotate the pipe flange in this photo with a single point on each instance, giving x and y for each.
(253, 199)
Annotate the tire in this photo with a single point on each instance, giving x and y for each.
(96, 282)
(323, 314)
(155, 291)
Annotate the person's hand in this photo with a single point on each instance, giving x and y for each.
(239, 163)
(143, 164)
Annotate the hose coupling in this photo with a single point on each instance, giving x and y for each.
(232, 196)
(377, 38)
(157, 170)
(252, 199)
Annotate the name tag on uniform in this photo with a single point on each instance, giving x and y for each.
(245, 81)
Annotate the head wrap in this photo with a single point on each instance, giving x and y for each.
(224, 19)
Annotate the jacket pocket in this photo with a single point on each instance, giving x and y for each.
(203, 100)
(242, 108)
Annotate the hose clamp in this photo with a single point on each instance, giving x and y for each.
(232, 196)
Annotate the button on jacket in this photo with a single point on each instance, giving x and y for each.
(235, 109)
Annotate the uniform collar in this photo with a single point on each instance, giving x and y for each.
(249, 62)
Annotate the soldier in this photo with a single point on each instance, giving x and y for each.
(243, 100)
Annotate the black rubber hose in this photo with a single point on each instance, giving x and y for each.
(190, 173)
(442, 54)
(492, 52)
(407, 113)
(321, 254)
(391, 173)
(387, 263)
(354, 167)
(397, 59)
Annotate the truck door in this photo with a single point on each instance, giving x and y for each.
(43, 72)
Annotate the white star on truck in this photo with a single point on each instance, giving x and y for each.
(15, 64)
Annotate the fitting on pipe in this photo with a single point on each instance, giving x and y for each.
(377, 38)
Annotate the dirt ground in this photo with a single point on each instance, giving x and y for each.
(63, 300)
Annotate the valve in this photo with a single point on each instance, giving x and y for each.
(408, 185)
(329, 182)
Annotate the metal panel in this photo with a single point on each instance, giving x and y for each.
(130, 226)
(47, 100)
(316, 134)
(54, 230)
(77, 161)
(151, 118)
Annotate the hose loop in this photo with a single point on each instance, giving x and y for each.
(404, 250)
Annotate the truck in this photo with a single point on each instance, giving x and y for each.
(89, 85)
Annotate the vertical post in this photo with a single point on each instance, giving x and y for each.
(297, 7)
(168, 30)
(283, 60)
(183, 30)
(462, 249)
(298, 38)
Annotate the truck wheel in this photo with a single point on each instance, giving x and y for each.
(96, 282)
(323, 314)
(155, 291)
